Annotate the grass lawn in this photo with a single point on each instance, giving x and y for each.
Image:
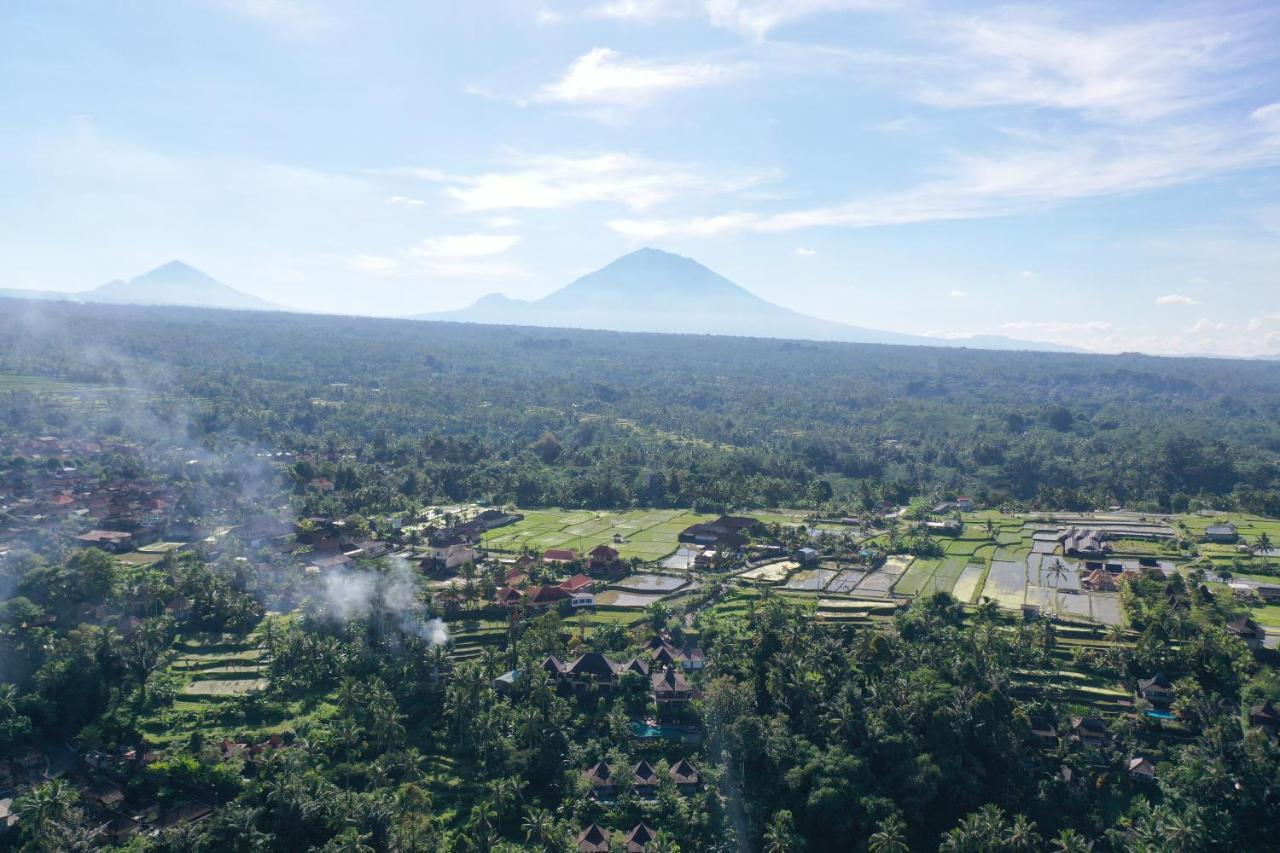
(1268, 614)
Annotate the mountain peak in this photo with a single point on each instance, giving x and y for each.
(175, 266)
(177, 283)
(650, 290)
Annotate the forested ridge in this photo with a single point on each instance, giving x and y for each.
(440, 411)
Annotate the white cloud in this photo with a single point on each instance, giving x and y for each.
(502, 221)
(1129, 72)
(1175, 299)
(465, 246)
(755, 18)
(1058, 328)
(639, 10)
(1268, 117)
(373, 264)
(958, 294)
(806, 253)
(1204, 324)
(1085, 165)
(557, 182)
(604, 76)
(405, 201)
(1257, 324)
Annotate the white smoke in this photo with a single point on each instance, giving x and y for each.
(355, 594)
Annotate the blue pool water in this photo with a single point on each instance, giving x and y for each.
(644, 730)
(1161, 715)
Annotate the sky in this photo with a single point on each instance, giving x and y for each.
(1104, 175)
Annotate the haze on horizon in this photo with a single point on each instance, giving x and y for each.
(1097, 175)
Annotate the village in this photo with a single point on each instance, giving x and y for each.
(656, 574)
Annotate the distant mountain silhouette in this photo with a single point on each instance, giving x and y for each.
(174, 283)
(654, 291)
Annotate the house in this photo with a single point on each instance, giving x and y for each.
(686, 776)
(592, 668)
(692, 658)
(1265, 715)
(644, 779)
(1089, 731)
(1099, 580)
(964, 503)
(593, 839)
(1043, 731)
(553, 665)
(112, 541)
(600, 780)
(637, 666)
(806, 556)
(726, 533)
(1248, 631)
(8, 820)
(1269, 594)
(606, 562)
(1225, 533)
(543, 597)
(952, 527)
(190, 812)
(559, 555)
(505, 684)
(104, 793)
(447, 602)
(448, 553)
(1157, 690)
(639, 838)
(577, 583)
(1142, 769)
(508, 597)
(581, 600)
(670, 687)
(665, 655)
(602, 557)
(1085, 543)
(489, 519)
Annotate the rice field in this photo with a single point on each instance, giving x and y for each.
(655, 584)
(969, 582)
(649, 535)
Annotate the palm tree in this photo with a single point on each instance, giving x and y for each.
(1023, 837)
(47, 804)
(891, 837)
(539, 826)
(1058, 570)
(780, 837)
(1070, 841)
(1263, 543)
(350, 841)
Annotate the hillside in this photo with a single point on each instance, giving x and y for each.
(654, 291)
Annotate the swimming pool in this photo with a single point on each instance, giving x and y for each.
(1161, 715)
(648, 731)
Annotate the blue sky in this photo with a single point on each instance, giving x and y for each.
(1099, 174)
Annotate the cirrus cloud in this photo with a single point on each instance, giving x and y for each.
(603, 76)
